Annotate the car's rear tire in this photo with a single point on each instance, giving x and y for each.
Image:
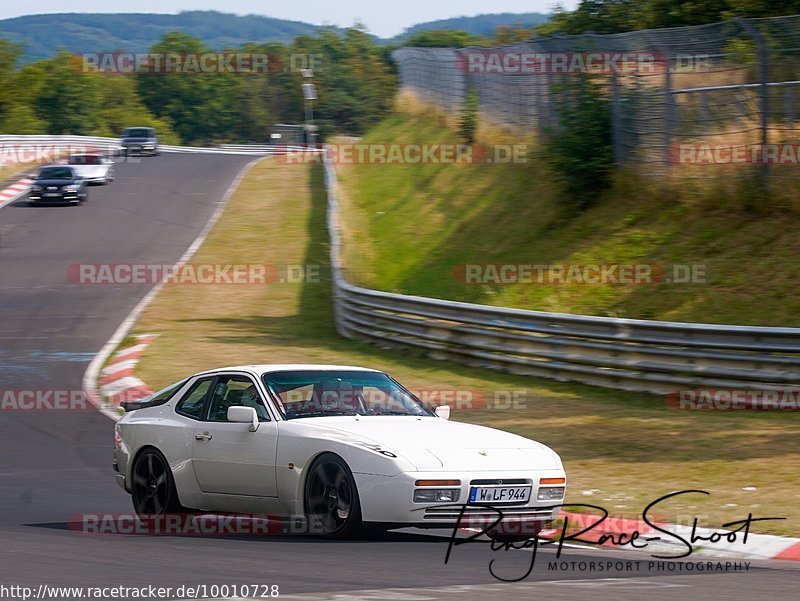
(331, 502)
(152, 486)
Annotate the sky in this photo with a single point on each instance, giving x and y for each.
(382, 18)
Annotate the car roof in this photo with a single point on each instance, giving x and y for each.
(265, 368)
(87, 154)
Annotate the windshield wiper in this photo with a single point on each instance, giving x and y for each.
(296, 414)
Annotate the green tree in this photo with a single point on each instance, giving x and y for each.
(67, 99)
(614, 16)
(442, 38)
(580, 148)
(9, 54)
(201, 106)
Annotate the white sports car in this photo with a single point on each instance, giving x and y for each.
(94, 168)
(340, 447)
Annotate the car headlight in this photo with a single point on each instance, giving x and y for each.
(436, 495)
(70, 188)
(550, 493)
(36, 188)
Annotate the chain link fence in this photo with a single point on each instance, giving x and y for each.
(719, 95)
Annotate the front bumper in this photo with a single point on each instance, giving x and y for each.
(59, 197)
(133, 149)
(119, 477)
(387, 499)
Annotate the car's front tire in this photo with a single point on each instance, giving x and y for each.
(332, 505)
(153, 487)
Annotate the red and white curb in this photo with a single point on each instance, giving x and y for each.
(758, 546)
(117, 382)
(14, 191)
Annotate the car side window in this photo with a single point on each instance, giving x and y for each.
(191, 405)
(235, 391)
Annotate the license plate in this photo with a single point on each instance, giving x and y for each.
(52, 194)
(499, 494)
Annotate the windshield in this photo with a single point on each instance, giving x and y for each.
(56, 173)
(329, 393)
(85, 159)
(138, 132)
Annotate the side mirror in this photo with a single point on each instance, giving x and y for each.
(443, 411)
(244, 415)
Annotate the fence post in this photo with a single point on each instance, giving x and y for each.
(616, 118)
(668, 109)
(763, 75)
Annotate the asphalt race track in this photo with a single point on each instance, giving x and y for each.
(56, 465)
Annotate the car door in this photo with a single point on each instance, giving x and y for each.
(227, 457)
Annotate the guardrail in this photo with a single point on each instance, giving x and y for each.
(626, 354)
(40, 147)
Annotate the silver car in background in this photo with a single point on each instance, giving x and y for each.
(139, 140)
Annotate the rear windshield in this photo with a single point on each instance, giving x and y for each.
(85, 159)
(56, 173)
(138, 132)
(158, 398)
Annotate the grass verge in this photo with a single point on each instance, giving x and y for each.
(621, 450)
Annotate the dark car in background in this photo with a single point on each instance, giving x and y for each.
(58, 184)
(139, 140)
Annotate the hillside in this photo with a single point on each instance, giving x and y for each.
(480, 25)
(412, 228)
(43, 35)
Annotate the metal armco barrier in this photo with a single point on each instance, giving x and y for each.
(12, 146)
(626, 354)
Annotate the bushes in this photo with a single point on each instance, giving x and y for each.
(580, 148)
(468, 119)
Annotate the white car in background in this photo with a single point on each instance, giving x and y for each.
(93, 168)
(343, 447)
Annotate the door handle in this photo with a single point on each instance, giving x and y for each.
(203, 436)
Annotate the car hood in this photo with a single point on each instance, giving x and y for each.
(91, 170)
(432, 443)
